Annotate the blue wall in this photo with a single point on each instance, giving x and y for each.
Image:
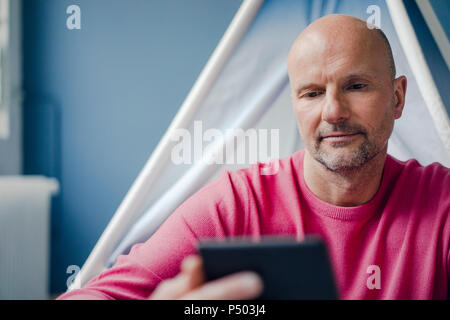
(442, 10)
(99, 99)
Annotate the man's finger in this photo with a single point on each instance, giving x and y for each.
(172, 288)
(193, 267)
(238, 286)
(190, 277)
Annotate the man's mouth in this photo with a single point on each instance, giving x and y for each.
(340, 136)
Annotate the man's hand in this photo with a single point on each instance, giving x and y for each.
(190, 284)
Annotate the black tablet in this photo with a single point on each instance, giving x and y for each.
(290, 269)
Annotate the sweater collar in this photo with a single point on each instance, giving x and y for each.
(320, 207)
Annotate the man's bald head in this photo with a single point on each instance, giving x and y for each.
(388, 51)
(339, 27)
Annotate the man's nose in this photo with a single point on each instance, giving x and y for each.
(335, 109)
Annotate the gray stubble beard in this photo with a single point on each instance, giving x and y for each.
(362, 155)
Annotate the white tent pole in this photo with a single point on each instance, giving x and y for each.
(436, 29)
(420, 69)
(131, 205)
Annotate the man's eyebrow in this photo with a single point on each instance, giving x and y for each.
(307, 86)
(354, 75)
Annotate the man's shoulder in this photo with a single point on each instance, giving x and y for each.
(412, 171)
(414, 164)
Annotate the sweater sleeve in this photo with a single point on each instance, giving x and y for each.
(210, 212)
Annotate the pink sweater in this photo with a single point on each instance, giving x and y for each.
(396, 246)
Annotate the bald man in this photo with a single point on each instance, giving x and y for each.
(386, 222)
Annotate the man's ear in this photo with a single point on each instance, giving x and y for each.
(399, 95)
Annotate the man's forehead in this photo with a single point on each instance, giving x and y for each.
(323, 68)
(318, 47)
(334, 62)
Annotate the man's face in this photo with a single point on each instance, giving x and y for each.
(343, 99)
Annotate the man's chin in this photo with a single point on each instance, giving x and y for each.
(340, 165)
(341, 159)
(344, 153)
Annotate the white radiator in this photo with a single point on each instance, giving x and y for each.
(24, 236)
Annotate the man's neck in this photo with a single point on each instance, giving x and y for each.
(347, 189)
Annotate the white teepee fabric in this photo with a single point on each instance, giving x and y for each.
(245, 85)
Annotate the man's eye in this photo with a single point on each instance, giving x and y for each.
(357, 86)
(312, 94)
